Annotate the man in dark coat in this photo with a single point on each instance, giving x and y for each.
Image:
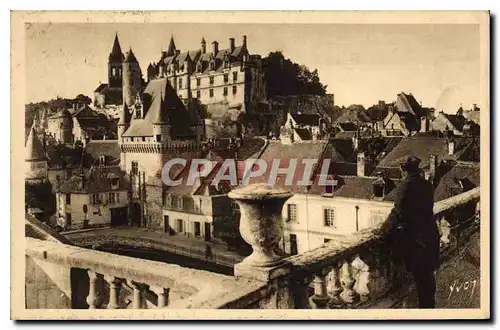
(413, 232)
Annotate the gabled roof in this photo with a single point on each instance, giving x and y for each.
(34, 149)
(64, 113)
(130, 57)
(303, 133)
(97, 180)
(85, 111)
(462, 177)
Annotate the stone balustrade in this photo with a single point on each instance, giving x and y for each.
(108, 274)
(350, 271)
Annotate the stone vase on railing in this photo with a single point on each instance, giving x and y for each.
(260, 222)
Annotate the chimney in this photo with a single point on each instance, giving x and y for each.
(75, 106)
(474, 107)
(361, 164)
(432, 167)
(381, 104)
(215, 49)
(451, 147)
(423, 124)
(231, 44)
(163, 54)
(245, 41)
(203, 46)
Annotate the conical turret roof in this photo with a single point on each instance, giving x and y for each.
(171, 47)
(124, 116)
(34, 149)
(130, 57)
(116, 53)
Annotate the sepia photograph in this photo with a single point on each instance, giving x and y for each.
(250, 165)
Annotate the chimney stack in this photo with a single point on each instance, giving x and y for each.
(361, 164)
(245, 41)
(215, 50)
(423, 124)
(451, 147)
(231, 44)
(432, 167)
(82, 181)
(474, 107)
(203, 46)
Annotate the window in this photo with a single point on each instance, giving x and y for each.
(235, 76)
(180, 83)
(198, 94)
(113, 71)
(212, 66)
(329, 217)
(111, 198)
(135, 168)
(158, 137)
(168, 201)
(235, 207)
(326, 240)
(198, 82)
(95, 199)
(114, 183)
(180, 202)
(235, 90)
(291, 212)
(211, 80)
(377, 217)
(180, 225)
(225, 91)
(68, 199)
(226, 78)
(117, 195)
(211, 93)
(143, 139)
(102, 160)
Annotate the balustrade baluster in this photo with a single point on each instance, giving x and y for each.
(320, 297)
(115, 285)
(333, 287)
(348, 294)
(162, 294)
(364, 280)
(138, 300)
(93, 298)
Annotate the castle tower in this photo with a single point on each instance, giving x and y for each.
(35, 159)
(171, 50)
(65, 131)
(115, 62)
(161, 125)
(132, 78)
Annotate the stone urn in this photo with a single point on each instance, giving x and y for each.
(260, 222)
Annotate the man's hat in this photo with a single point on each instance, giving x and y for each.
(411, 163)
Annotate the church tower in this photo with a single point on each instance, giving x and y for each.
(171, 50)
(132, 78)
(115, 62)
(35, 159)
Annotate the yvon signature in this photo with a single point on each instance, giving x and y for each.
(462, 286)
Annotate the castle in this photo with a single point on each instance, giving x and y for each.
(215, 83)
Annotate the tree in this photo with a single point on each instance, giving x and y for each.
(285, 77)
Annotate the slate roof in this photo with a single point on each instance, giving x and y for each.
(303, 133)
(449, 185)
(98, 148)
(100, 88)
(423, 147)
(306, 119)
(34, 149)
(353, 116)
(161, 102)
(347, 126)
(97, 180)
(61, 114)
(249, 148)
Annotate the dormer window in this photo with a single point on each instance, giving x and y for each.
(115, 183)
(199, 68)
(180, 202)
(168, 201)
(212, 66)
(102, 160)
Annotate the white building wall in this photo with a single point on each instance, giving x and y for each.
(310, 228)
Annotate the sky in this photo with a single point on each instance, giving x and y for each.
(360, 63)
